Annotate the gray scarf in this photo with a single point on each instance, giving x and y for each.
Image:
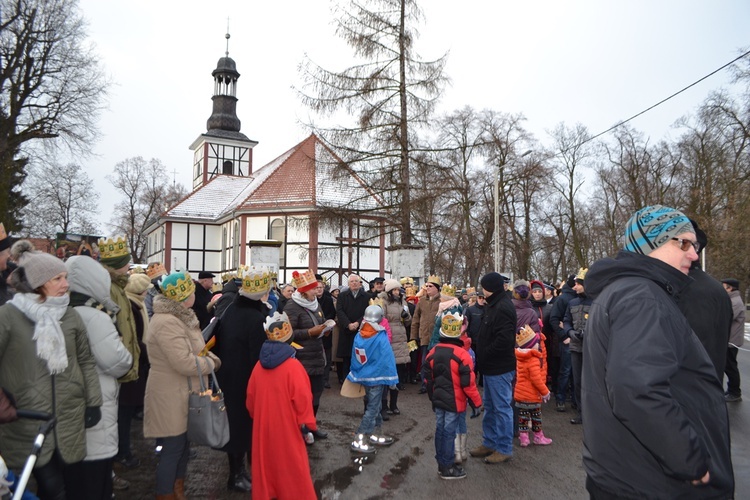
(312, 305)
(50, 341)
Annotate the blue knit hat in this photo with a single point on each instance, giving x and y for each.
(653, 226)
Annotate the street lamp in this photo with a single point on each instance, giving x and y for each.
(497, 212)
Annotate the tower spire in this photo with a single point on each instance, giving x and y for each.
(227, 37)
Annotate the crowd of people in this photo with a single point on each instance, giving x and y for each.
(636, 347)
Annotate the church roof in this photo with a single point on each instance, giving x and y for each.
(306, 177)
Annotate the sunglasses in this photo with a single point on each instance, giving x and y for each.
(685, 244)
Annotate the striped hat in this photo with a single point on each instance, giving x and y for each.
(653, 226)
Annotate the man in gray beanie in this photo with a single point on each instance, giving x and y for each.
(655, 420)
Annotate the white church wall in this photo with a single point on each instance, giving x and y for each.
(213, 239)
(179, 235)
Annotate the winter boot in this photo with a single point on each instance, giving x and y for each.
(179, 489)
(523, 436)
(451, 472)
(394, 403)
(464, 446)
(237, 480)
(540, 439)
(457, 449)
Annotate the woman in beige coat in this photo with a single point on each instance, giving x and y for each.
(173, 342)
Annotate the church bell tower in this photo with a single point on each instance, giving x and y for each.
(222, 149)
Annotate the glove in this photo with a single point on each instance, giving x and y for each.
(546, 397)
(404, 314)
(91, 416)
(475, 411)
(316, 331)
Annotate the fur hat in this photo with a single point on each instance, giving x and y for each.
(36, 268)
(526, 338)
(391, 284)
(653, 226)
(177, 286)
(138, 283)
(521, 289)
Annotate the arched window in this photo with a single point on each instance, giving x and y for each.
(278, 232)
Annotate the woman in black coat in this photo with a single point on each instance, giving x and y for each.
(239, 337)
(306, 318)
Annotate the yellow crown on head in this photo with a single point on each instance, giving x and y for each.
(435, 280)
(471, 291)
(407, 281)
(112, 249)
(582, 273)
(156, 269)
(256, 280)
(304, 281)
(277, 327)
(377, 301)
(450, 324)
(449, 290)
(178, 286)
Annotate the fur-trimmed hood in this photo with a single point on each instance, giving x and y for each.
(163, 305)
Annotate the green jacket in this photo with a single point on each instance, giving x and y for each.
(66, 394)
(125, 322)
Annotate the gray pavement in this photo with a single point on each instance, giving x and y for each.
(407, 469)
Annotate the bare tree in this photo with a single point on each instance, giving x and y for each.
(147, 193)
(390, 93)
(51, 89)
(62, 199)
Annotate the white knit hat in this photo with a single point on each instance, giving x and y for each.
(38, 267)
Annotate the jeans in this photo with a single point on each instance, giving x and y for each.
(563, 376)
(462, 423)
(497, 424)
(372, 419)
(446, 423)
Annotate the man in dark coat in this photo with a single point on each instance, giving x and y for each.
(239, 338)
(656, 423)
(228, 293)
(708, 309)
(556, 318)
(350, 308)
(496, 361)
(203, 295)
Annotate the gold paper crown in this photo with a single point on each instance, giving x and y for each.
(407, 281)
(435, 280)
(377, 301)
(305, 281)
(178, 286)
(450, 324)
(228, 276)
(277, 327)
(112, 249)
(471, 291)
(156, 269)
(524, 336)
(449, 290)
(3, 234)
(411, 291)
(582, 273)
(256, 280)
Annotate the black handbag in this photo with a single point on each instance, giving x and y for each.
(208, 424)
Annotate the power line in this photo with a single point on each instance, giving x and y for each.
(610, 129)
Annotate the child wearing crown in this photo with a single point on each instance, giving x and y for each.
(279, 401)
(531, 389)
(449, 374)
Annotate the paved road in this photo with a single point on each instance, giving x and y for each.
(407, 469)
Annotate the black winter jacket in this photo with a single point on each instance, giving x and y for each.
(654, 409)
(302, 319)
(574, 324)
(558, 310)
(496, 341)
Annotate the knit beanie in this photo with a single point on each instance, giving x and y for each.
(391, 284)
(537, 285)
(521, 289)
(653, 226)
(492, 282)
(138, 283)
(37, 267)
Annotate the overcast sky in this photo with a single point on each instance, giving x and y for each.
(586, 61)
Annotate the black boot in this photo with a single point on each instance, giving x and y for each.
(394, 403)
(238, 480)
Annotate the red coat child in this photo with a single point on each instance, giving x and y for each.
(279, 401)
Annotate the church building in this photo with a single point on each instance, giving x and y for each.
(289, 214)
